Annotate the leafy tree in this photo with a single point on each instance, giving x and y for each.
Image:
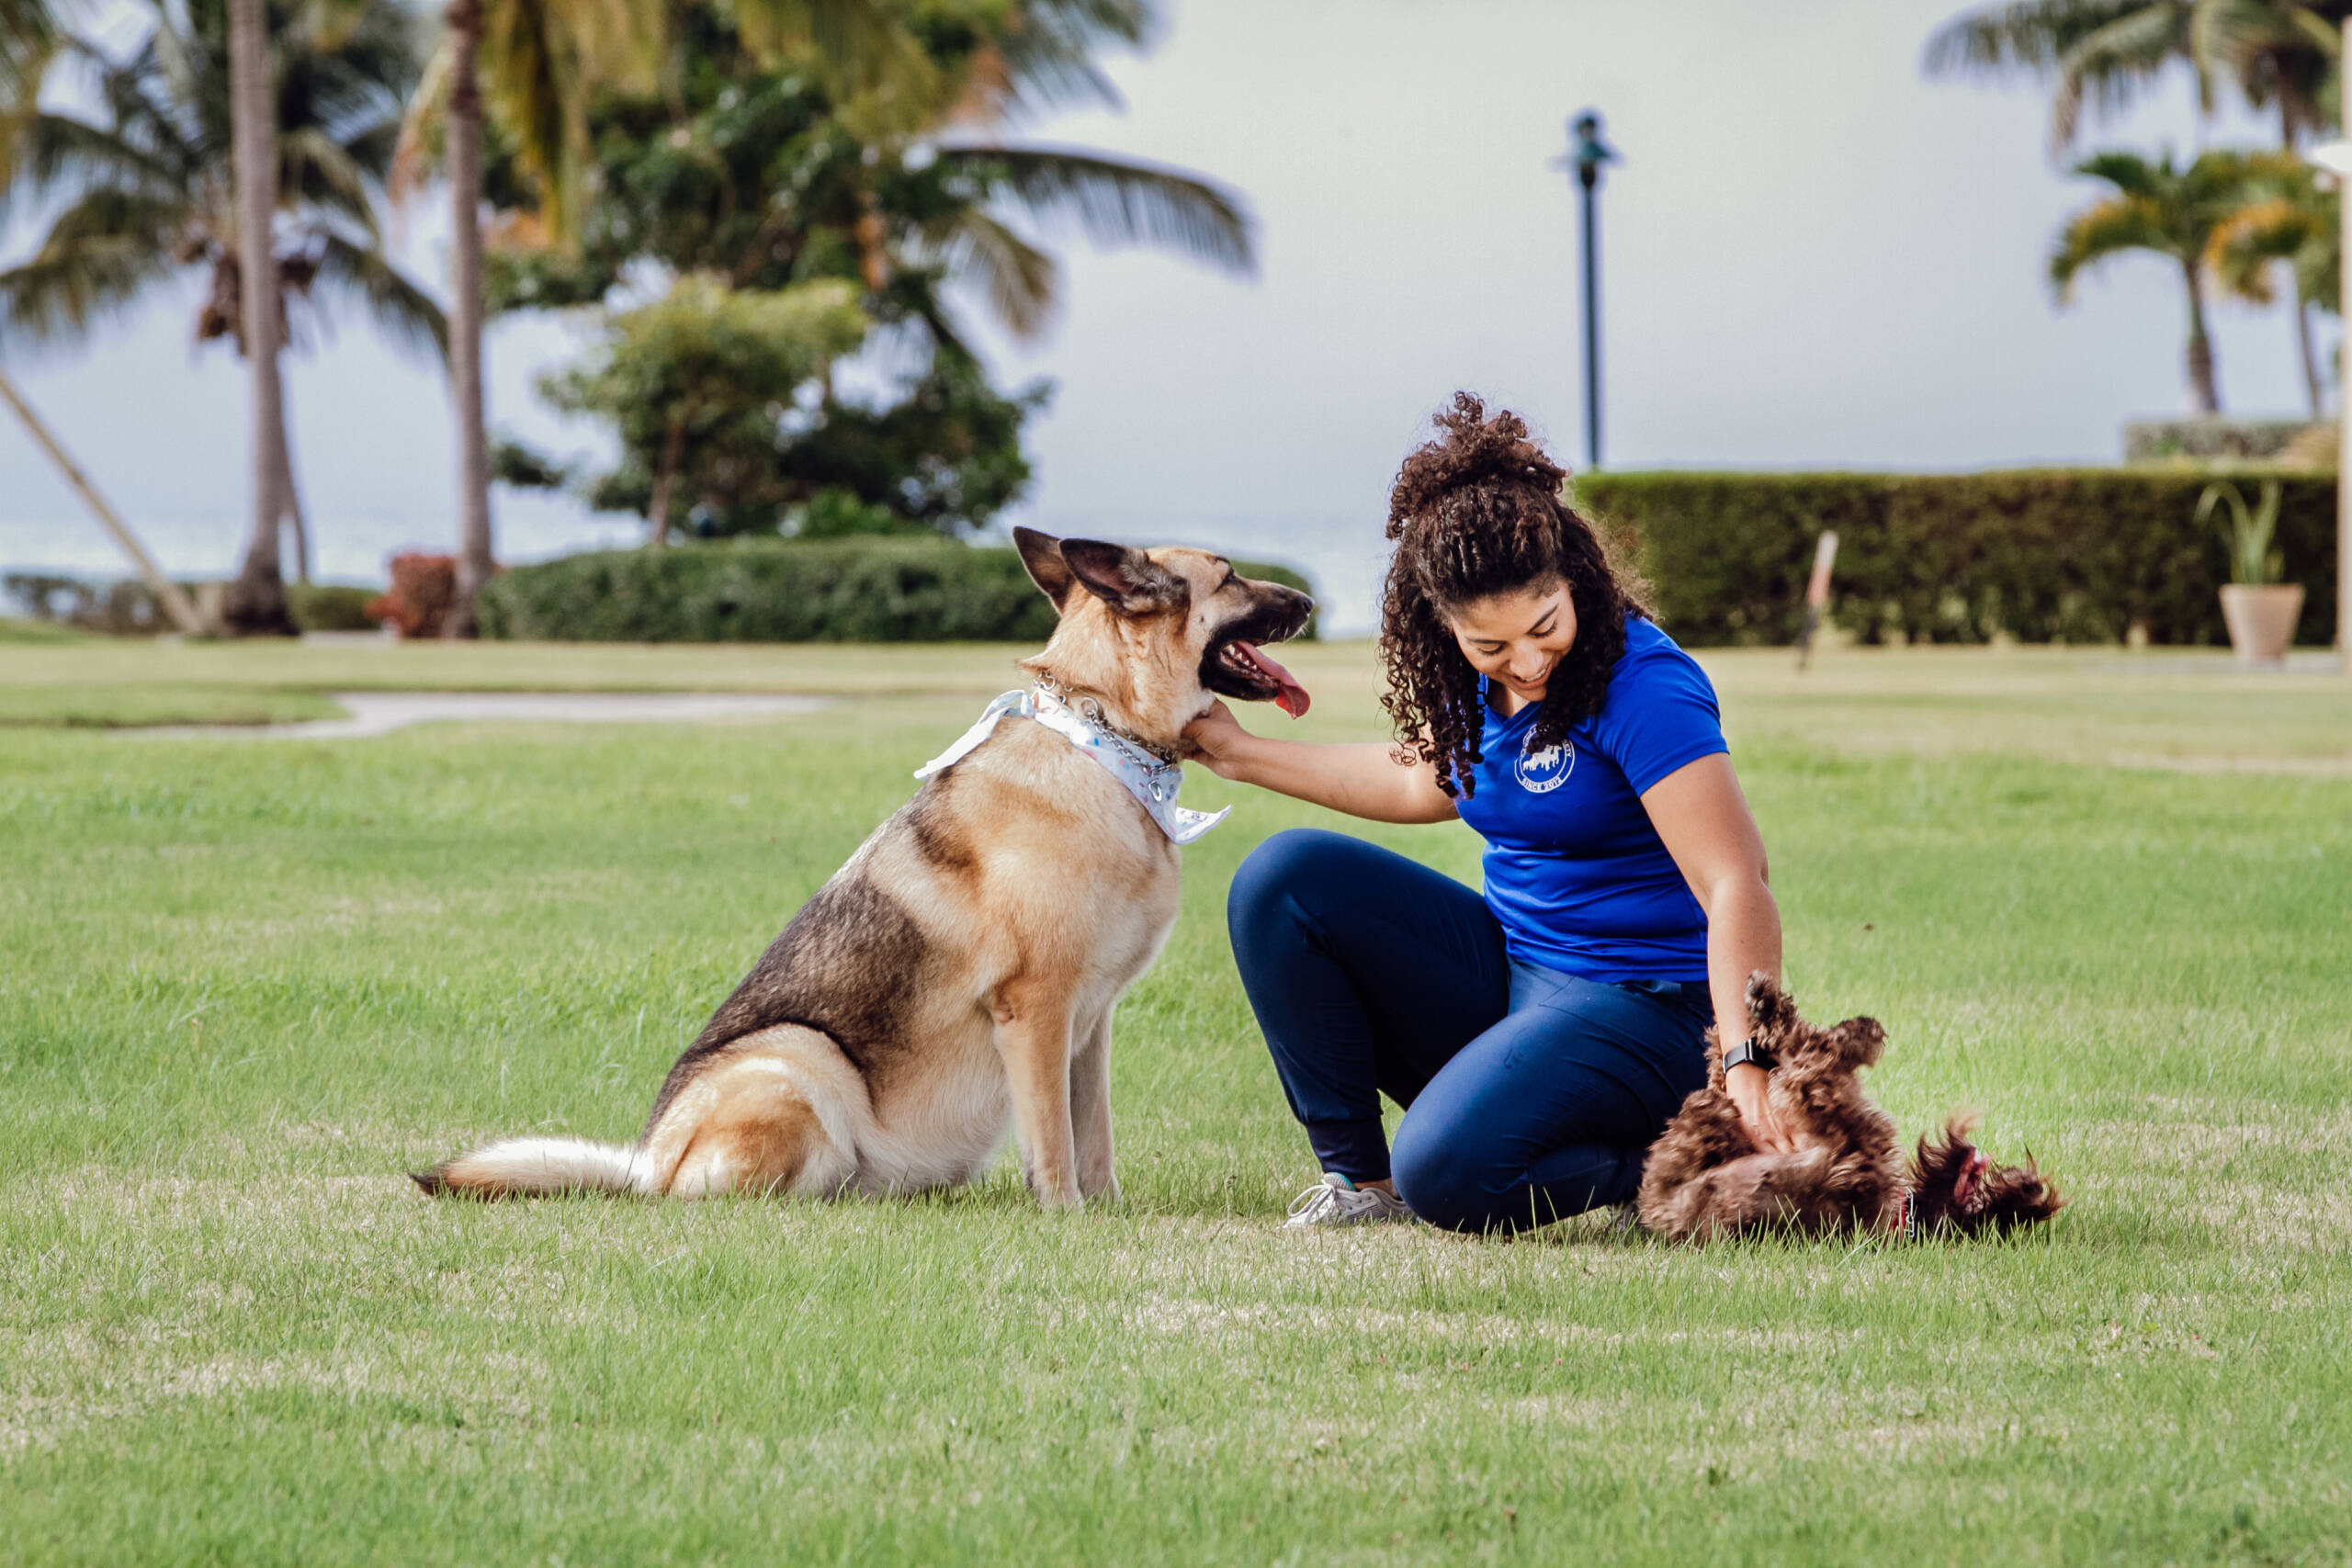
(527, 70)
(2174, 212)
(700, 383)
(768, 176)
(147, 191)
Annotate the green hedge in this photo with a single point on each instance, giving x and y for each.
(327, 607)
(2062, 554)
(861, 590)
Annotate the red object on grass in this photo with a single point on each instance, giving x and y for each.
(424, 589)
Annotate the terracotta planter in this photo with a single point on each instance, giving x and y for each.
(2262, 621)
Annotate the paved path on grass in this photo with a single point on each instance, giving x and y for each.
(380, 713)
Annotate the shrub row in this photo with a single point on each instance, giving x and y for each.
(124, 607)
(328, 607)
(860, 590)
(2067, 555)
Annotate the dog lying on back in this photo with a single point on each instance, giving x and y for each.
(1706, 1179)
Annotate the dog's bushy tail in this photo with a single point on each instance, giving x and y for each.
(524, 1167)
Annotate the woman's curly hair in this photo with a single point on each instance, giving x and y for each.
(1476, 513)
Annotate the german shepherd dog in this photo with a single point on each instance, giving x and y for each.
(1705, 1179)
(959, 972)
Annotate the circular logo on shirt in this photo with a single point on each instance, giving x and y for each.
(1543, 771)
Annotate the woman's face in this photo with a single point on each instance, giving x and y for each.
(1518, 638)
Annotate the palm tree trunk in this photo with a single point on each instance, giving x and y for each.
(475, 561)
(167, 592)
(254, 605)
(298, 527)
(2310, 356)
(2289, 142)
(2201, 345)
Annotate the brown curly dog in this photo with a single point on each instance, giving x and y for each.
(1705, 1178)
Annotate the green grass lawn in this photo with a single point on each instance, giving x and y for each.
(244, 986)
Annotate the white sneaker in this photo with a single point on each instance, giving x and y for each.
(1336, 1201)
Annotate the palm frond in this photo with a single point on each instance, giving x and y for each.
(315, 169)
(538, 64)
(862, 45)
(2267, 47)
(531, 82)
(1115, 202)
(2107, 66)
(418, 148)
(2245, 247)
(1021, 283)
(1049, 52)
(2320, 33)
(2107, 229)
(2025, 39)
(29, 39)
(403, 310)
(100, 253)
(58, 157)
(2129, 173)
(2225, 178)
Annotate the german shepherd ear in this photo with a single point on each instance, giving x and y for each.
(1125, 578)
(1042, 555)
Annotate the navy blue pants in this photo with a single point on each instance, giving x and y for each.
(1529, 1095)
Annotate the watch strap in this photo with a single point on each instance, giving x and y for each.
(1745, 1053)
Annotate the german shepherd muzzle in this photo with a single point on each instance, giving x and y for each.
(959, 972)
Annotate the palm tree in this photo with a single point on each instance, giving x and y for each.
(2101, 52)
(149, 191)
(255, 603)
(2174, 212)
(2281, 54)
(2287, 219)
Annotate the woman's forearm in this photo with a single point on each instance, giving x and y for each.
(1365, 780)
(1742, 936)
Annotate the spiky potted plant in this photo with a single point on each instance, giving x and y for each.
(2259, 610)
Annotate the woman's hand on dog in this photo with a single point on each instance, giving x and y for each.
(1213, 737)
(1745, 1083)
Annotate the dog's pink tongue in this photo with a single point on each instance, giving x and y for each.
(1293, 698)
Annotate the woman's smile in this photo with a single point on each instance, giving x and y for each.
(1518, 639)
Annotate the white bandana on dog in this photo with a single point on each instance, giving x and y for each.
(1152, 782)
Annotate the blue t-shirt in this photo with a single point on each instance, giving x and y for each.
(1574, 870)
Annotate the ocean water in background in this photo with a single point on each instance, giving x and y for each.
(1342, 555)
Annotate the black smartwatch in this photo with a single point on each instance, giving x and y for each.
(1745, 1053)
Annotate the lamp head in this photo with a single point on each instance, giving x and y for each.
(1586, 151)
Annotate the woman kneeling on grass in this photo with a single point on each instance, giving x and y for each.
(1539, 1037)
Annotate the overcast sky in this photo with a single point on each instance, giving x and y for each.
(1812, 256)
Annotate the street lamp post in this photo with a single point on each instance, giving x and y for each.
(1586, 153)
